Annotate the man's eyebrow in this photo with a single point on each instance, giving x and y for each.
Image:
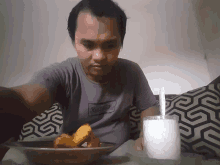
(86, 40)
(92, 41)
(111, 40)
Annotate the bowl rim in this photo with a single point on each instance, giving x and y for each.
(18, 145)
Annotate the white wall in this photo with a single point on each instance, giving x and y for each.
(208, 15)
(35, 37)
(169, 47)
(163, 37)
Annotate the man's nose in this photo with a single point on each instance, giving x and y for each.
(98, 55)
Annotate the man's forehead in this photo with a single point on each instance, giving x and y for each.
(112, 39)
(90, 16)
(90, 27)
(89, 19)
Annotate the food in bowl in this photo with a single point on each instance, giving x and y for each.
(93, 141)
(82, 147)
(64, 141)
(83, 135)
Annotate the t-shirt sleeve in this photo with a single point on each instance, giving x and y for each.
(143, 96)
(56, 78)
(47, 78)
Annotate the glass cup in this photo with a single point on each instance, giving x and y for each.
(162, 137)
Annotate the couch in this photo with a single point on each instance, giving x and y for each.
(198, 113)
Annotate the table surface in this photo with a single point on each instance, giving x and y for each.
(124, 155)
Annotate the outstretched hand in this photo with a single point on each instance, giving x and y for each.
(4, 149)
(139, 144)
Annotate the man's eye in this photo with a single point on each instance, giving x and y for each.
(89, 46)
(110, 46)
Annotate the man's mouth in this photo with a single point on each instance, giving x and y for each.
(97, 67)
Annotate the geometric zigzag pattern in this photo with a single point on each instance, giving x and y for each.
(46, 124)
(198, 112)
(135, 124)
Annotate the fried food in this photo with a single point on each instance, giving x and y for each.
(64, 141)
(83, 135)
(94, 141)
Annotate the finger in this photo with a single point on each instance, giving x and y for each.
(11, 139)
(3, 152)
(135, 146)
(142, 144)
(139, 148)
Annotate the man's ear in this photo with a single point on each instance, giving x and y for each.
(73, 43)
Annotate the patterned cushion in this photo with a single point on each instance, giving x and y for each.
(46, 124)
(198, 112)
(135, 125)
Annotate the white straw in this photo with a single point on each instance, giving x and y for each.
(162, 101)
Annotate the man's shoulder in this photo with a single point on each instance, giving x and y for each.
(127, 63)
(65, 67)
(128, 69)
(68, 63)
(72, 59)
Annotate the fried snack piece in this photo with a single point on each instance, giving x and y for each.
(64, 141)
(82, 134)
(93, 141)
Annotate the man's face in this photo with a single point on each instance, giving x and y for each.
(97, 43)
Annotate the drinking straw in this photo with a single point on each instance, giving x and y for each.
(162, 101)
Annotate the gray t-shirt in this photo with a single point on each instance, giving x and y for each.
(104, 107)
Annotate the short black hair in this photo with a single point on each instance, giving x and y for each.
(98, 8)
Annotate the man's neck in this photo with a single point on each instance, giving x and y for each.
(101, 79)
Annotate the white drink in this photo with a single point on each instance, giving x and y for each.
(161, 138)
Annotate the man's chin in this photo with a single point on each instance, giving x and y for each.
(99, 75)
(98, 72)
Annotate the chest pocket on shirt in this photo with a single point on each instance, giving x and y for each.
(101, 108)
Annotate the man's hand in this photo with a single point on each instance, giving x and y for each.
(139, 144)
(3, 152)
(3, 149)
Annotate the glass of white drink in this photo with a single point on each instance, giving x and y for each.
(161, 137)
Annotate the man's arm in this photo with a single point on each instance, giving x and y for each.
(25, 101)
(18, 105)
(35, 97)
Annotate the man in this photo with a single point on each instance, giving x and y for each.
(97, 87)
